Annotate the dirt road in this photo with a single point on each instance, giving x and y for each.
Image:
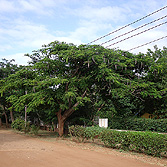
(21, 151)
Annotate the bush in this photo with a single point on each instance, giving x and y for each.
(82, 133)
(139, 124)
(34, 129)
(143, 142)
(19, 125)
(93, 132)
(78, 132)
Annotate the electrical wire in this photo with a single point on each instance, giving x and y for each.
(137, 34)
(134, 29)
(127, 25)
(147, 43)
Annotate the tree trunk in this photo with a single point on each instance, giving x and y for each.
(6, 118)
(60, 123)
(61, 128)
(62, 118)
(11, 115)
(0, 122)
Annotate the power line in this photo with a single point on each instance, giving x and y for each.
(137, 34)
(127, 25)
(147, 43)
(134, 29)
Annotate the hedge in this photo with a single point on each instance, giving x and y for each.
(149, 143)
(82, 133)
(139, 124)
(143, 142)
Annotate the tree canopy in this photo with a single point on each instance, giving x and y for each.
(62, 78)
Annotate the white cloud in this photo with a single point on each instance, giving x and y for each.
(41, 7)
(27, 5)
(26, 34)
(7, 6)
(69, 40)
(103, 14)
(84, 34)
(18, 57)
(5, 47)
(88, 31)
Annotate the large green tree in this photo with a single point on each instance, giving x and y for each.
(63, 77)
(69, 75)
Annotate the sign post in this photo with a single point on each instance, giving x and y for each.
(103, 122)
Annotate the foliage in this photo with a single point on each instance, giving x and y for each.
(63, 78)
(143, 142)
(122, 107)
(34, 129)
(19, 124)
(7, 67)
(78, 132)
(85, 133)
(83, 115)
(139, 124)
(93, 132)
(155, 102)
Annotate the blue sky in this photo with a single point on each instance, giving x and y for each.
(25, 25)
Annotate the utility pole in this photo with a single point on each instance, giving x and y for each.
(26, 104)
(25, 110)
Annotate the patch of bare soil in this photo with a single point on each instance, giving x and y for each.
(23, 151)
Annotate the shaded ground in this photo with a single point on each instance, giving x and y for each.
(22, 151)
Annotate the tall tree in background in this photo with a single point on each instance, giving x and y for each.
(7, 67)
(157, 101)
(15, 89)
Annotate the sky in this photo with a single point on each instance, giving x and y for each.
(26, 25)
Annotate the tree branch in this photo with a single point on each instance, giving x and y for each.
(101, 107)
(68, 112)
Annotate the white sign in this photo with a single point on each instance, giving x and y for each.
(103, 122)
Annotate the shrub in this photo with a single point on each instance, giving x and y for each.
(78, 132)
(34, 129)
(93, 132)
(139, 124)
(143, 142)
(82, 133)
(19, 125)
